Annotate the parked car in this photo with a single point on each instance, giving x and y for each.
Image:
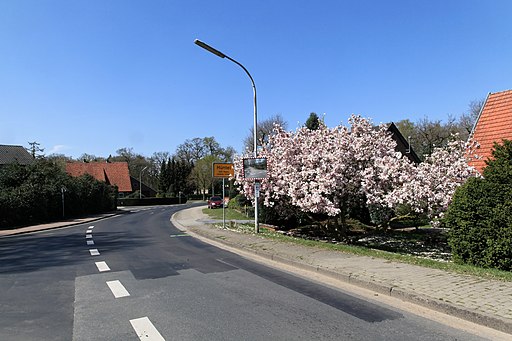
(214, 202)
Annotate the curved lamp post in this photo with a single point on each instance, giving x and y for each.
(140, 182)
(255, 146)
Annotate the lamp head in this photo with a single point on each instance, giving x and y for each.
(209, 48)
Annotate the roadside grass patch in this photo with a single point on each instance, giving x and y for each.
(374, 249)
(216, 213)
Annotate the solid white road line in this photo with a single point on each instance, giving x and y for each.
(117, 289)
(94, 252)
(102, 266)
(180, 235)
(145, 329)
(90, 242)
(88, 236)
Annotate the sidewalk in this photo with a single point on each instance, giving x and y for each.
(482, 301)
(57, 224)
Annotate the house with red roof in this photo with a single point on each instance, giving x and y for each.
(113, 173)
(494, 124)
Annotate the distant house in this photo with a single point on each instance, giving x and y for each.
(14, 154)
(113, 173)
(494, 124)
(147, 191)
(402, 145)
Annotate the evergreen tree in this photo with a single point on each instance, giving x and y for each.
(34, 150)
(313, 122)
(163, 179)
(172, 177)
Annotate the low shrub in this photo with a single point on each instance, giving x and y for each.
(239, 202)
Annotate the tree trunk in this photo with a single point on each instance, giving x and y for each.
(340, 222)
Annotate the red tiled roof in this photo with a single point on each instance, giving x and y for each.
(114, 173)
(493, 125)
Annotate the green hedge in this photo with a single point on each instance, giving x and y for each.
(33, 194)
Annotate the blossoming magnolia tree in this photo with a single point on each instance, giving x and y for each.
(426, 188)
(319, 171)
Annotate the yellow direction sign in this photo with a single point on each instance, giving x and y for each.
(223, 170)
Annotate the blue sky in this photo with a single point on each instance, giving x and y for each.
(94, 76)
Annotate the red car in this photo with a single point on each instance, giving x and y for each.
(214, 202)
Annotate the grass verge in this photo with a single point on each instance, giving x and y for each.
(216, 213)
(463, 269)
(397, 257)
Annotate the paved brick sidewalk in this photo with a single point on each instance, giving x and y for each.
(486, 302)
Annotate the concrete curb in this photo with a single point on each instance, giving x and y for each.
(428, 302)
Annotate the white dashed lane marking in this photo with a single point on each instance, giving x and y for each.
(102, 266)
(117, 289)
(146, 330)
(143, 327)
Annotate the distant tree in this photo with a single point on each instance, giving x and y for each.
(136, 163)
(152, 173)
(191, 150)
(159, 157)
(426, 134)
(475, 107)
(181, 177)
(467, 120)
(432, 134)
(406, 127)
(59, 159)
(227, 154)
(313, 122)
(173, 177)
(35, 150)
(211, 146)
(197, 148)
(201, 174)
(90, 158)
(164, 177)
(264, 130)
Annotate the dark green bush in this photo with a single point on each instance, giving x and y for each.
(480, 216)
(33, 194)
(239, 202)
(477, 224)
(499, 168)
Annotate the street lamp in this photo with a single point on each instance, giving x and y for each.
(140, 182)
(255, 146)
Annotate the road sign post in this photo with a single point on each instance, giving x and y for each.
(223, 170)
(255, 168)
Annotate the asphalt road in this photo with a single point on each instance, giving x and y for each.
(135, 276)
